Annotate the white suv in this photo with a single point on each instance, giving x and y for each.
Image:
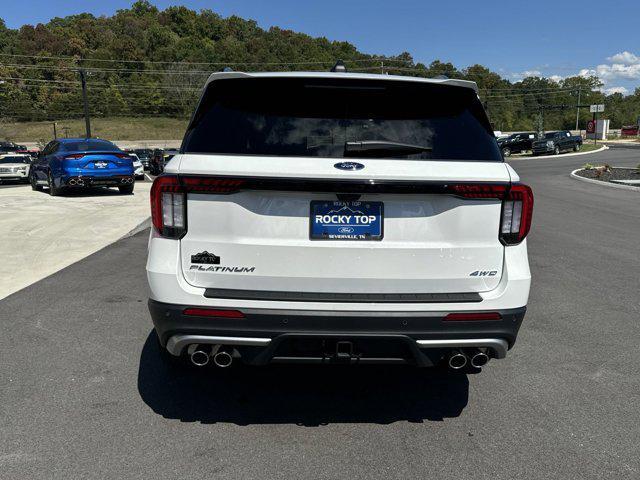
(338, 218)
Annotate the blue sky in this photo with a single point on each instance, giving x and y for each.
(515, 39)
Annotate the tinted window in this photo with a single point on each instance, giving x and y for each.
(315, 117)
(90, 146)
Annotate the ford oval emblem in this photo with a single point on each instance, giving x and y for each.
(349, 166)
(346, 230)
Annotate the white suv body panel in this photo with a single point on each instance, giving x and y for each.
(432, 243)
(168, 285)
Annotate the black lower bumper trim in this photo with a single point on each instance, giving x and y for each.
(313, 335)
(342, 297)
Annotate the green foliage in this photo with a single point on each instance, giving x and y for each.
(143, 61)
(587, 166)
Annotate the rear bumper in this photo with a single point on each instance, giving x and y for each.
(544, 149)
(267, 335)
(97, 180)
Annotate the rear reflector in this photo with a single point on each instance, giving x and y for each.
(471, 317)
(208, 312)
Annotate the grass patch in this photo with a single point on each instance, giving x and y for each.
(114, 128)
(589, 146)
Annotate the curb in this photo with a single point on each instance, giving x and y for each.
(564, 155)
(146, 223)
(604, 184)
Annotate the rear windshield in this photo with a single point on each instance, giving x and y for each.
(305, 117)
(92, 146)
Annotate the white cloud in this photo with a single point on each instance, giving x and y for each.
(626, 58)
(622, 68)
(527, 73)
(613, 71)
(612, 90)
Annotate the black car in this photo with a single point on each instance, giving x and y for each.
(144, 154)
(516, 143)
(159, 159)
(557, 142)
(6, 147)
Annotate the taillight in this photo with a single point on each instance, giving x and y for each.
(517, 206)
(123, 155)
(168, 207)
(517, 211)
(74, 156)
(169, 199)
(211, 184)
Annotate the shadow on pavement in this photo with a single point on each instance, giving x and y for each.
(86, 192)
(302, 394)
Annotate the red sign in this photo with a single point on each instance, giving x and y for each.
(591, 126)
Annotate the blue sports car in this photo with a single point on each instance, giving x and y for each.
(70, 163)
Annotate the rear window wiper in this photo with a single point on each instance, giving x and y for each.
(381, 148)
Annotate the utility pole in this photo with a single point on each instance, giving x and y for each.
(578, 108)
(55, 132)
(87, 121)
(382, 68)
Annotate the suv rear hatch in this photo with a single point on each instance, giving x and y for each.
(273, 166)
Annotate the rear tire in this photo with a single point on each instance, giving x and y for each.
(126, 189)
(506, 152)
(34, 185)
(576, 148)
(556, 150)
(53, 190)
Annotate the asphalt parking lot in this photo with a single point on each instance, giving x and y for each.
(83, 393)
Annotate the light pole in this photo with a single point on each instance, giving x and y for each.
(87, 121)
(578, 108)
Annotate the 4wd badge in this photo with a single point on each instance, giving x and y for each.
(205, 258)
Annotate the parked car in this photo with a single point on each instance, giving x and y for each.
(557, 142)
(10, 147)
(630, 131)
(159, 159)
(338, 219)
(15, 166)
(80, 162)
(138, 169)
(144, 154)
(516, 143)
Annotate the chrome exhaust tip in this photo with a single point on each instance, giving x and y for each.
(479, 359)
(457, 360)
(223, 359)
(199, 357)
(73, 181)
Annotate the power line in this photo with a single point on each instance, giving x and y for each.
(316, 62)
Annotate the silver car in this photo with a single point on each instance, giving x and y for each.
(15, 166)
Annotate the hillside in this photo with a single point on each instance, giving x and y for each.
(112, 128)
(143, 61)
